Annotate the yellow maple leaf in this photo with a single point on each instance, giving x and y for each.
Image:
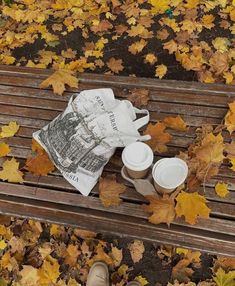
(49, 271)
(224, 279)
(4, 149)
(161, 209)
(221, 189)
(159, 6)
(11, 172)
(117, 256)
(59, 79)
(110, 190)
(211, 149)
(9, 130)
(191, 206)
(159, 138)
(220, 44)
(143, 281)
(176, 123)
(3, 244)
(137, 47)
(29, 276)
(160, 71)
(229, 119)
(150, 58)
(232, 161)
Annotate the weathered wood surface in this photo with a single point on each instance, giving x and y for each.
(51, 198)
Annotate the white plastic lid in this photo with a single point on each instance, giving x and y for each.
(137, 156)
(170, 173)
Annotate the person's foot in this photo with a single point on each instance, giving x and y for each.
(98, 275)
(133, 283)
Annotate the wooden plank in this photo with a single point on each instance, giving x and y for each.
(125, 226)
(123, 81)
(218, 209)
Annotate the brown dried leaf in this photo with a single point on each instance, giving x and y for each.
(40, 165)
(136, 250)
(176, 123)
(159, 138)
(139, 96)
(110, 190)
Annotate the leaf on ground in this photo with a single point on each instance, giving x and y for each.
(227, 263)
(4, 149)
(191, 206)
(181, 271)
(84, 234)
(159, 138)
(40, 165)
(229, 120)
(56, 230)
(176, 123)
(137, 47)
(162, 209)
(142, 280)
(49, 271)
(3, 244)
(59, 79)
(117, 256)
(160, 71)
(9, 130)
(139, 96)
(136, 250)
(29, 276)
(110, 190)
(72, 254)
(115, 65)
(221, 189)
(224, 279)
(11, 172)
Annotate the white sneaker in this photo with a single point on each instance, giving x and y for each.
(98, 275)
(133, 283)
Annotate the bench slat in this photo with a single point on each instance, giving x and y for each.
(116, 224)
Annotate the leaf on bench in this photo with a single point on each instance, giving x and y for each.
(161, 208)
(40, 165)
(11, 172)
(229, 119)
(59, 79)
(110, 190)
(9, 130)
(159, 138)
(176, 123)
(4, 149)
(221, 189)
(191, 206)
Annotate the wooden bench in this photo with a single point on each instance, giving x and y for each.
(51, 198)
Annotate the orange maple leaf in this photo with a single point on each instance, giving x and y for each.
(4, 149)
(110, 190)
(59, 79)
(159, 138)
(176, 123)
(115, 65)
(40, 165)
(162, 209)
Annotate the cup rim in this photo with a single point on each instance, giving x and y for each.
(165, 160)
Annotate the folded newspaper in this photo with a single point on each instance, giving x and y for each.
(81, 140)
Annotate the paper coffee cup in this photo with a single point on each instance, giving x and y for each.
(168, 174)
(137, 158)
